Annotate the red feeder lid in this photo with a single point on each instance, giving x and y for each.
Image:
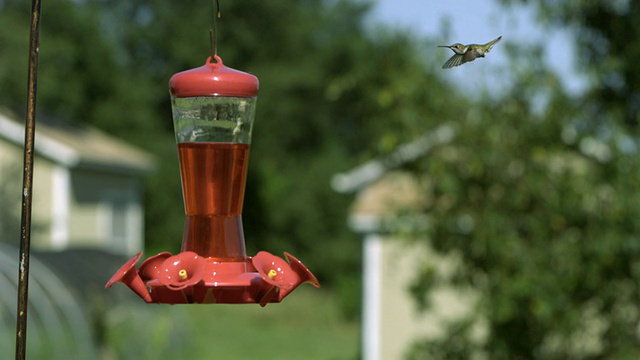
(213, 79)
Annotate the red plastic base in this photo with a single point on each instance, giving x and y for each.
(188, 278)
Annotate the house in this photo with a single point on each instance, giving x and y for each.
(392, 319)
(87, 187)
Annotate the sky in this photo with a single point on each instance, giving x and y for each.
(475, 21)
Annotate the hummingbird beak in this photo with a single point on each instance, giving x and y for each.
(445, 46)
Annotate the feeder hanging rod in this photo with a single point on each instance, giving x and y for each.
(27, 182)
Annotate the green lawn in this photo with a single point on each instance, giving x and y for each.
(306, 325)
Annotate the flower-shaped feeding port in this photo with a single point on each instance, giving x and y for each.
(305, 275)
(274, 270)
(152, 267)
(128, 275)
(181, 271)
(280, 275)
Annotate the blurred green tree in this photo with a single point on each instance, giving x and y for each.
(541, 203)
(335, 91)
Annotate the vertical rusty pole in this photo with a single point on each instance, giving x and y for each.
(27, 182)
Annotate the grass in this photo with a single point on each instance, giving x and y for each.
(306, 325)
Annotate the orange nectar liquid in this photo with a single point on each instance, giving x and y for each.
(213, 182)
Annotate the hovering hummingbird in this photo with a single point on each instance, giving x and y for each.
(467, 53)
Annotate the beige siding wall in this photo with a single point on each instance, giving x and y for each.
(8, 152)
(401, 322)
(10, 197)
(42, 203)
(11, 177)
(106, 211)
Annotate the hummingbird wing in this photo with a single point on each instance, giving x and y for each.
(455, 60)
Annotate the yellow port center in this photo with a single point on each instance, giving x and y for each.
(183, 274)
(272, 273)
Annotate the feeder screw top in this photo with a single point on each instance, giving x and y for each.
(213, 79)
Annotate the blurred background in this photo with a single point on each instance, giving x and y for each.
(486, 212)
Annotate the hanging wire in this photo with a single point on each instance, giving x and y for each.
(213, 34)
(27, 182)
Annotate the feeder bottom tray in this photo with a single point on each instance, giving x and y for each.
(187, 278)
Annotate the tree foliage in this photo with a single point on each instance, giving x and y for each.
(605, 34)
(541, 204)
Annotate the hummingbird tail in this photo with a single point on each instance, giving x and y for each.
(488, 46)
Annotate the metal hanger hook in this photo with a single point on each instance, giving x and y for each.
(213, 34)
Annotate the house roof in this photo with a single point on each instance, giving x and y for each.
(395, 191)
(381, 190)
(75, 146)
(361, 176)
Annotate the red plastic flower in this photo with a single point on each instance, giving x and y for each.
(182, 270)
(274, 270)
(125, 271)
(128, 275)
(151, 267)
(305, 274)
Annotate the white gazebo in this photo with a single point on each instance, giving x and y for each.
(392, 320)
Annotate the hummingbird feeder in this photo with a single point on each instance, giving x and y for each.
(213, 112)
